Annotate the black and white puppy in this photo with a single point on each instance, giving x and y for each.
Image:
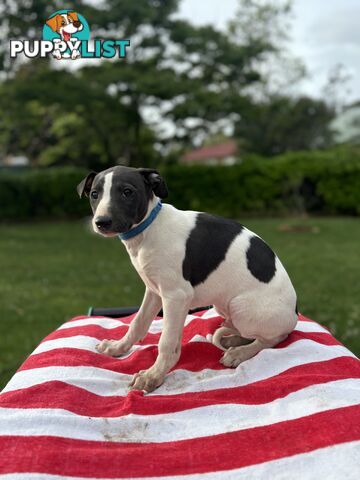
(189, 259)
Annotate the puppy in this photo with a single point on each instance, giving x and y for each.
(65, 25)
(188, 259)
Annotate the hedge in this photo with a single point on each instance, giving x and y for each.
(41, 193)
(326, 182)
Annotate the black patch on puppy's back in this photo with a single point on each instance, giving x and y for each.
(207, 245)
(260, 260)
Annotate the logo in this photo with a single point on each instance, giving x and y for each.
(66, 35)
(66, 28)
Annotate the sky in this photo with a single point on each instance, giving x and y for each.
(325, 33)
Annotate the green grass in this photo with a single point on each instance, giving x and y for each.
(53, 271)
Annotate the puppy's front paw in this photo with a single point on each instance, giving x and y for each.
(113, 348)
(146, 380)
(75, 54)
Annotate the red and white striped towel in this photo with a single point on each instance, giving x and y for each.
(291, 412)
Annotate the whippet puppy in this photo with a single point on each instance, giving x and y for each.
(188, 259)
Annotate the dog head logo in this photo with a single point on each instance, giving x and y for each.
(65, 24)
(66, 28)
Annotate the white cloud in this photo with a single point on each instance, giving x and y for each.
(337, 28)
(325, 33)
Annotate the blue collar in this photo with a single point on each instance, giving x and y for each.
(143, 225)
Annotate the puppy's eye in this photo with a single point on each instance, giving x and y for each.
(94, 194)
(127, 192)
(63, 22)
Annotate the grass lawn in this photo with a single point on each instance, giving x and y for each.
(53, 271)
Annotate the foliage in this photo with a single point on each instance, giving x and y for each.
(316, 182)
(41, 193)
(64, 119)
(312, 182)
(196, 80)
(282, 124)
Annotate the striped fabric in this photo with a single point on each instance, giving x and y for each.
(292, 412)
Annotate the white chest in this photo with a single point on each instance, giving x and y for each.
(146, 270)
(158, 253)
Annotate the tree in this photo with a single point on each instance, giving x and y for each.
(196, 80)
(58, 117)
(282, 124)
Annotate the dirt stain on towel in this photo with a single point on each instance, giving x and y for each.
(134, 432)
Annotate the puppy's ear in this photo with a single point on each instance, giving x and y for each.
(84, 186)
(53, 22)
(154, 179)
(73, 16)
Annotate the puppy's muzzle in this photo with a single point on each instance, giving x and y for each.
(104, 224)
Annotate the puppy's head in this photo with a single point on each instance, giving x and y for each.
(65, 24)
(120, 197)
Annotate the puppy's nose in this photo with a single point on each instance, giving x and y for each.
(103, 223)
(77, 23)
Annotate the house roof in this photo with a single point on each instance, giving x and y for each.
(221, 150)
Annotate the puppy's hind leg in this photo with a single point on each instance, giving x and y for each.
(234, 356)
(225, 337)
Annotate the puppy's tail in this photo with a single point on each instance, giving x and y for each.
(220, 332)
